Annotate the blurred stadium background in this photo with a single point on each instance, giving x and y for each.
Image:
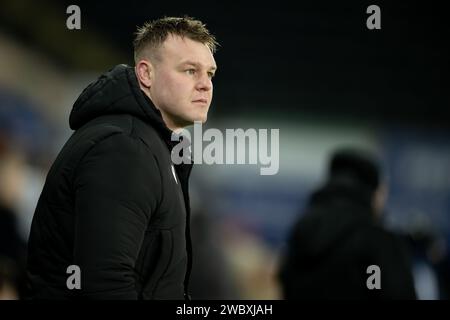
(314, 71)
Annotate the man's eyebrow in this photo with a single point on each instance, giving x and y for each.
(193, 63)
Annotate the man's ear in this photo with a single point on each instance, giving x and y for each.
(144, 73)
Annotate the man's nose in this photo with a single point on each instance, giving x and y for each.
(204, 83)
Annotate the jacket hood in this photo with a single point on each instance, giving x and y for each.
(116, 92)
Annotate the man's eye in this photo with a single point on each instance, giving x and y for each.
(190, 71)
(211, 74)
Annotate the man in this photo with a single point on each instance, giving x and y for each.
(113, 204)
(340, 236)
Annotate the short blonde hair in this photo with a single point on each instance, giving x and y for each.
(153, 33)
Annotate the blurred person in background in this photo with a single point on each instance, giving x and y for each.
(443, 271)
(12, 247)
(211, 277)
(114, 204)
(340, 235)
(430, 259)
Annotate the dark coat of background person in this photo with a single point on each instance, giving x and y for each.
(334, 242)
(112, 204)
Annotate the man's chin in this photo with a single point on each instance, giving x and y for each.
(186, 122)
(201, 119)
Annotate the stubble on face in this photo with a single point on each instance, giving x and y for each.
(182, 86)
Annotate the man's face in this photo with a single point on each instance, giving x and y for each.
(181, 86)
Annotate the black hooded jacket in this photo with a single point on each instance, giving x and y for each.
(112, 203)
(333, 244)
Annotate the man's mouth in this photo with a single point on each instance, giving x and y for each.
(204, 101)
